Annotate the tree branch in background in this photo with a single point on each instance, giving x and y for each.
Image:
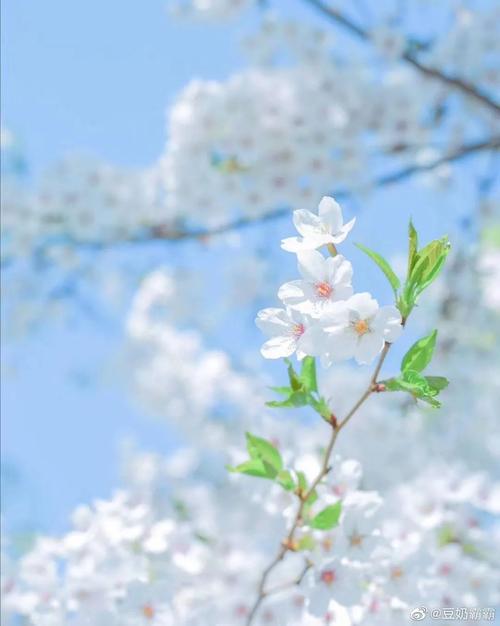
(468, 89)
(170, 233)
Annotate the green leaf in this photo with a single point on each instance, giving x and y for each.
(327, 518)
(417, 385)
(254, 467)
(414, 381)
(302, 480)
(285, 479)
(321, 407)
(437, 382)
(428, 265)
(264, 451)
(384, 266)
(284, 391)
(296, 399)
(424, 268)
(412, 246)
(308, 374)
(435, 404)
(420, 354)
(295, 381)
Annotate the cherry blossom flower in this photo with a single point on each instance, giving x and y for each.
(358, 328)
(357, 538)
(287, 329)
(318, 230)
(323, 281)
(334, 580)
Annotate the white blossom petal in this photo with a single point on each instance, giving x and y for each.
(312, 266)
(341, 235)
(369, 345)
(307, 224)
(272, 321)
(388, 321)
(279, 347)
(331, 214)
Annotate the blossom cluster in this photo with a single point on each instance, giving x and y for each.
(189, 553)
(322, 316)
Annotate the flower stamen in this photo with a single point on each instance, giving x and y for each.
(361, 327)
(328, 577)
(298, 330)
(324, 290)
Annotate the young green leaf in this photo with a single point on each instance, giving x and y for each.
(420, 354)
(414, 382)
(284, 391)
(294, 378)
(327, 518)
(263, 450)
(295, 399)
(437, 382)
(384, 266)
(435, 404)
(302, 480)
(412, 246)
(308, 374)
(285, 479)
(428, 265)
(417, 385)
(254, 467)
(321, 406)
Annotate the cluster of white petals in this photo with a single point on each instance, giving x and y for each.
(322, 317)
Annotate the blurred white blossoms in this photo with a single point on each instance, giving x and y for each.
(318, 230)
(323, 318)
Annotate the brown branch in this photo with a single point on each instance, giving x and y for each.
(289, 543)
(176, 234)
(465, 87)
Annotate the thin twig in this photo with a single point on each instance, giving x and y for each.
(467, 88)
(292, 583)
(289, 544)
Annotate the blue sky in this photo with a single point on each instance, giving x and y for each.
(97, 77)
(93, 77)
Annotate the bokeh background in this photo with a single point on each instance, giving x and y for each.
(100, 81)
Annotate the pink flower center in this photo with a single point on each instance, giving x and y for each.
(328, 577)
(324, 290)
(298, 330)
(445, 569)
(148, 611)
